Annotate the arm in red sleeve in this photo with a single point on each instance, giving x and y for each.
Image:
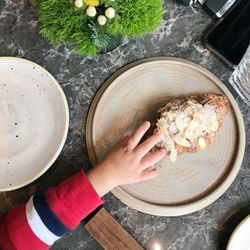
(46, 217)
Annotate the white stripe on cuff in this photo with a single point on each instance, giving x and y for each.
(37, 226)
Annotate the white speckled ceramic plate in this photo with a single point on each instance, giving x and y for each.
(134, 94)
(33, 121)
(240, 237)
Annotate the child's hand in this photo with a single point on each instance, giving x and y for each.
(127, 162)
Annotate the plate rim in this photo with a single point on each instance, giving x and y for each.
(173, 210)
(236, 230)
(66, 126)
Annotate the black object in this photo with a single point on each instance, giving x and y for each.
(218, 7)
(186, 2)
(229, 38)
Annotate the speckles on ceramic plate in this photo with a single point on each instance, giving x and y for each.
(33, 121)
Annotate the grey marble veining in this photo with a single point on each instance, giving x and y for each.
(80, 77)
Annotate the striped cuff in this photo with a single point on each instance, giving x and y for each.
(45, 218)
(34, 225)
(20, 233)
(43, 222)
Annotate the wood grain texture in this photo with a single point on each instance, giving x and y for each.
(106, 230)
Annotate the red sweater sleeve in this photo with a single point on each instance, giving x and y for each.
(46, 217)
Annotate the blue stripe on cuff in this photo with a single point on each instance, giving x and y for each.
(48, 217)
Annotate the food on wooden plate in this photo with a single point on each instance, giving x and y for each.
(189, 123)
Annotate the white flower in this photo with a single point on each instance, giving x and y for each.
(91, 11)
(101, 20)
(78, 3)
(110, 13)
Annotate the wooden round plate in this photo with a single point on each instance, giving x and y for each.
(134, 94)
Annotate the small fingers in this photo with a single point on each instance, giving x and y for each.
(147, 145)
(148, 174)
(138, 134)
(151, 159)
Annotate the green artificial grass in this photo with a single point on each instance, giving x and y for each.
(62, 22)
(139, 16)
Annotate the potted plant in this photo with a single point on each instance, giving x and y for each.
(93, 25)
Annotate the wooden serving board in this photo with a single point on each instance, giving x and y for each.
(134, 94)
(106, 230)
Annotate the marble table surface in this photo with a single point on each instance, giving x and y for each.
(80, 77)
